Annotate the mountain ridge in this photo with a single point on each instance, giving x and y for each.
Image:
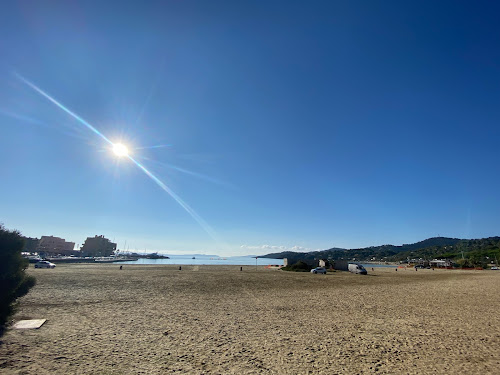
(483, 249)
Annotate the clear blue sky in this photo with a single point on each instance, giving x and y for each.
(292, 125)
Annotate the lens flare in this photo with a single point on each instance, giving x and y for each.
(121, 150)
(69, 112)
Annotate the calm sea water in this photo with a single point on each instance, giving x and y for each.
(223, 261)
(209, 260)
(368, 266)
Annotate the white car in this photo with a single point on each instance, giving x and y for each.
(44, 264)
(319, 270)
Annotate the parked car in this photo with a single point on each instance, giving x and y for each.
(44, 264)
(357, 268)
(319, 270)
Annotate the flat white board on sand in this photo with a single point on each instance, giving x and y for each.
(29, 324)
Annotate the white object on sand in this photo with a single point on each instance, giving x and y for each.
(29, 324)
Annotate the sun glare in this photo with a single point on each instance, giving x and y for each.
(120, 150)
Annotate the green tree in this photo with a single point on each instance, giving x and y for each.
(465, 263)
(14, 282)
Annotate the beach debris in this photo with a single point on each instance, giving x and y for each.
(29, 324)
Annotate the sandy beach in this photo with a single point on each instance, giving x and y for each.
(218, 320)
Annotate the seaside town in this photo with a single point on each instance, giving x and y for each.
(97, 246)
(101, 249)
(94, 249)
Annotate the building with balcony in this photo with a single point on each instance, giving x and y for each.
(51, 245)
(98, 246)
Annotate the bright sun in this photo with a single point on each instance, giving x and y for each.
(120, 150)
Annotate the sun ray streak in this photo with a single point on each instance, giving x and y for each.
(178, 199)
(186, 171)
(148, 98)
(68, 111)
(160, 183)
(20, 117)
(149, 147)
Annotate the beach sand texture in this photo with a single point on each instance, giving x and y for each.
(218, 320)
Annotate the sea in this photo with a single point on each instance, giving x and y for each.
(198, 259)
(374, 265)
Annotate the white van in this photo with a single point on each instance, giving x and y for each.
(357, 268)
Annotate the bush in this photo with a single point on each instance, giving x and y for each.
(472, 262)
(14, 282)
(300, 266)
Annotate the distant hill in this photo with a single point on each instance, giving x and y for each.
(297, 255)
(474, 252)
(483, 250)
(430, 242)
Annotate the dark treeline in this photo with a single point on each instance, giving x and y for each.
(473, 252)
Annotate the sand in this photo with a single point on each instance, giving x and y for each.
(218, 320)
